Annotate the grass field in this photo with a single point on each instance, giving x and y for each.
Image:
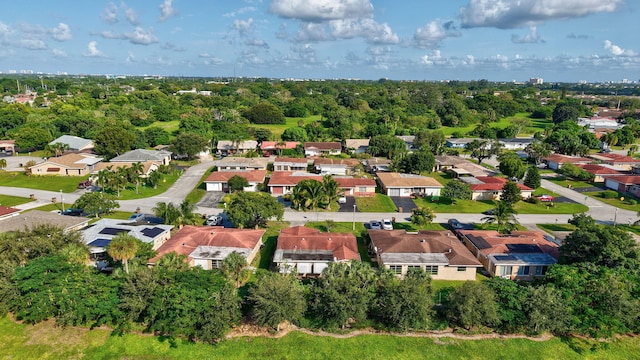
(170, 126)
(574, 183)
(536, 125)
(413, 227)
(46, 341)
(378, 203)
(444, 205)
(8, 200)
(622, 204)
(556, 227)
(278, 129)
(146, 191)
(523, 207)
(52, 183)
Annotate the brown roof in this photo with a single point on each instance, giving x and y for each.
(68, 161)
(615, 158)
(626, 180)
(497, 243)
(599, 169)
(290, 178)
(332, 145)
(405, 180)
(5, 210)
(291, 160)
(423, 242)
(346, 162)
(33, 218)
(491, 183)
(448, 160)
(252, 176)
(353, 182)
(356, 143)
(343, 245)
(190, 237)
(558, 158)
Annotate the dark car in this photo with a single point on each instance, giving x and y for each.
(455, 224)
(73, 212)
(489, 212)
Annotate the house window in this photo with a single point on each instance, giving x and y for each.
(461, 268)
(362, 189)
(413, 267)
(397, 269)
(541, 270)
(505, 270)
(431, 269)
(216, 264)
(523, 271)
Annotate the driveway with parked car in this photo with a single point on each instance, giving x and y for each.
(347, 205)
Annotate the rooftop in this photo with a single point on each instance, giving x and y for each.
(315, 245)
(74, 142)
(491, 242)
(392, 179)
(33, 218)
(140, 155)
(252, 176)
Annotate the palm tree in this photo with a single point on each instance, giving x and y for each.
(57, 149)
(3, 163)
(503, 216)
(233, 266)
(280, 145)
(173, 262)
(135, 173)
(75, 253)
(104, 177)
(330, 187)
(309, 194)
(187, 216)
(123, 247)
(120, 178)
(167, 211)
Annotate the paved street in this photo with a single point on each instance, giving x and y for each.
(177, 192)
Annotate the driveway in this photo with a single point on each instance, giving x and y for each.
(589, 189)
(404, 205)
(348, 206)
(211, 199)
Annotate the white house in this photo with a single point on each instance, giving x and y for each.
(218, 180)
(405, 185)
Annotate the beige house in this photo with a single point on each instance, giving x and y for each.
(290, 164)
(208, 246)
(490, 187)
(439, 253)
(242, 164)
(67, 165)
(521, 255)
(335, 166)
(406, 185)
(147, 167)
(219, 180)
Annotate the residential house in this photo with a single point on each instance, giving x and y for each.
(290, 164)
(74, 143)
(147, 167)
(227, 147)
(308, 251)
(446, 162)
(490, 187)
(208, 246)
(555, 161)
(408, 141)
(283, 182)
(7, 212)
(406, 185)
(597, 122)
(241, 164)
(322, 148)
(270, 148)
(623, 184)
(218, 180)
(33, 218)
(141, 155)
(600, 171)
(335, 166)
(439, 253)
(8, 146)
(467, 168)
(358, 187)
(620, 162)
(516, 143)
(99, 235)
(458, 143)
(356, 146)
(375, 164)
(66, 165)
(521, 255)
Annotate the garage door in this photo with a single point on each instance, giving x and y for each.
(304, 268)
(394, 192)
(318, 267)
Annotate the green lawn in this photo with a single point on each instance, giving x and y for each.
(623, 204)
(413, 227)
(278, 129)
(378, 203)
(264, 259)
(170, 126)
(442, 177)
(147, 191)
(52, 183)
(444, 205)
(574, 183)
(47, 341)
(523, 207)
(8, 200)
(633, 228)
(48, 207)
(536, 125)
(199, 191)
(556, 227)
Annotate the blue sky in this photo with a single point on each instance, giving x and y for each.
(499, 40)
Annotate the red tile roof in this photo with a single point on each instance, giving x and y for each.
(353, 182)
(491, 183)
(599, 169)
(333, 145)
(5, 210)
(190, 237)
(291, 160)
(288, 178)
(626, 180)
(558, 158)
(252, 176)
(498, 242)
(273, 145)
(343, 245)
(616, 158)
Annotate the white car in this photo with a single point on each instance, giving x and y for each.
(387, 224)
(214, 220)
(342, 200)
(375, 225)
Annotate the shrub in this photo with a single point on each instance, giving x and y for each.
(609, 194)
(533, 200)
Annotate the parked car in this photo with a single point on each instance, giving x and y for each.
(73, 212)
(85, 184)
(489, 212)
(342, 199)
(375, 225)
(213, 220)
(454, 224)
(387, 224)
(545, 198)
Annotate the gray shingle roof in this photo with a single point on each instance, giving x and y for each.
(74, 142)
(142, 155)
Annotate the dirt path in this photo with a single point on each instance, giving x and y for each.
(254, 331)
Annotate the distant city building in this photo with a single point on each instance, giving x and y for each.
(536, 81)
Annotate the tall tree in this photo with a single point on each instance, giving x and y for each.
(405, 304)
(251, 209)
(113, 141)
(483, 149)
(275, 298)
(123, 247)
(537, 150)
(237, 183)
(233, 268)
(473, 304)
(503, 216)
(511, 165)
(532, 179)
(457, 189)
(189, 144)
(95, 203)
(511, 193)
(135, 174)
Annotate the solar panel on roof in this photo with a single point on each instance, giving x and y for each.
(524, 248)
(479, 242)
(152, 232)
(505, 257)
(100, 243)
(112, 231)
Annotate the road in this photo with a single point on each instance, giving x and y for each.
(191, 177)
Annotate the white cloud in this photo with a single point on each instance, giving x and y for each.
(311, 32)
(210, 59)
(59, 53)
(240, 11)
(110, 13)
(167, 10)
(32, 44)
(256, 43)
(141, 36)
(431, 59)
(508, 14)
(617, 50)
(62, 32)
(243, 26)
(173, 47)
(131, 58)
(374, 32)
(130, 15)
(531, 38)
(431, 35)
(92, 50)
(158, 60)
(321, 10)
